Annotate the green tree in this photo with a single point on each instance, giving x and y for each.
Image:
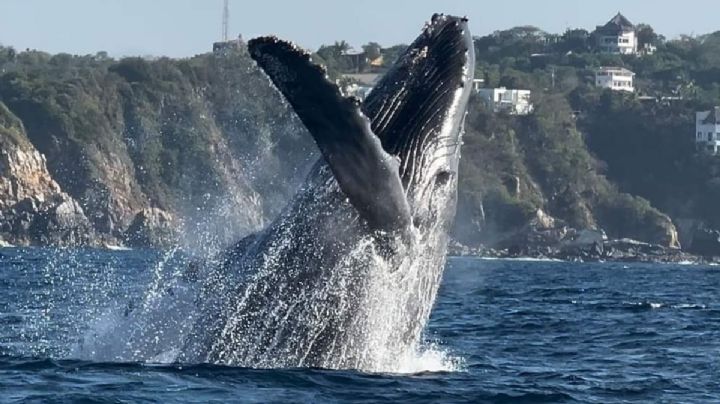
(341, 46)
(372, 50)
(574, 40)
(646, 35)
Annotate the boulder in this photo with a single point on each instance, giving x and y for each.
(631, 247)
(543, 221)
(60, 221)
(152, 227)
(34, 210)
(585, 237)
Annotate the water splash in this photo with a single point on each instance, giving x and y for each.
(430, 359)
(147, 330)
(379, 302)
(285, 305)
(111, 324)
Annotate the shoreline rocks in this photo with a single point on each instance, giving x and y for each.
(588, 245)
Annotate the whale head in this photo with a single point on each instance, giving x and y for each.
(396, 155)
(418, 110)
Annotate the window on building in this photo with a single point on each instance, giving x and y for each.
(709, 136)
(699, 135)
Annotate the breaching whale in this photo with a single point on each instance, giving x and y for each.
(347, 274)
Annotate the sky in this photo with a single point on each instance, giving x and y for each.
(182, 28)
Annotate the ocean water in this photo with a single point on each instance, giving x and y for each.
(502, 331)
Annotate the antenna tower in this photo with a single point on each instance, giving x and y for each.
(226, 18)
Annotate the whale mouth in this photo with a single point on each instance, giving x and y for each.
(418, 106)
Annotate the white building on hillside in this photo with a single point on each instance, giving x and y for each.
(618, 36)
(512, 101)
(615, 78)
(707, 130)
(477, 84)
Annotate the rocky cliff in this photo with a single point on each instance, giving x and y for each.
(200, 151)
(33, 207)
(142, 153)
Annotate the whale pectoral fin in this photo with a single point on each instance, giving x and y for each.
(367, 174)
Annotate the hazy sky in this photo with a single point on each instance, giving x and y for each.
(187, 27)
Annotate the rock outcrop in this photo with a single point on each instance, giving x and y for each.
(152, 228)
(33, 207)
(137, 151)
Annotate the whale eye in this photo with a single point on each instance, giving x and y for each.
(443, 177)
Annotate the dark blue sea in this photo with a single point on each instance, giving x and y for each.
(511, 331)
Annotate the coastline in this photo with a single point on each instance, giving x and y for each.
(648, 253)
(676, 257)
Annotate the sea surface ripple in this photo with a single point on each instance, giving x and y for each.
(516, 331)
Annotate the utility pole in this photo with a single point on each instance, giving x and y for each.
(226, 18)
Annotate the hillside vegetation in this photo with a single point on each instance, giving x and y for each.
(595, 157)
(144, 144)
(180, 140)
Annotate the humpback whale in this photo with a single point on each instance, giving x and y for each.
(347, 274)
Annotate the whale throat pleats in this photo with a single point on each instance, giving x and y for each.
(367, 174)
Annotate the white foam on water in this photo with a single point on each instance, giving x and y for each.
(430, 359)
(112, 247)
(689, 306)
